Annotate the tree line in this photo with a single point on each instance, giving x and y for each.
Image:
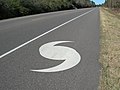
(112, 3)
(15, 8)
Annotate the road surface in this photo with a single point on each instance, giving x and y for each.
(20, 42)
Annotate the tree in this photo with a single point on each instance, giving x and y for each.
(112, 3)
(14, 8)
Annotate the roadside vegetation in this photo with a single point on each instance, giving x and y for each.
(110, 50)
(112, 4)
(15, 8)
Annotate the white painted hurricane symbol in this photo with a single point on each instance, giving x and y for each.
(54, 52)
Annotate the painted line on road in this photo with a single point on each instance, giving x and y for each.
(3, 55)
(42, 14)
(52, 52)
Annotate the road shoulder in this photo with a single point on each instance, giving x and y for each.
(110, 51)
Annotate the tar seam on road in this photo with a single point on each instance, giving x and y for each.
(3, 55)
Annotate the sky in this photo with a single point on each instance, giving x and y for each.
(98, 1)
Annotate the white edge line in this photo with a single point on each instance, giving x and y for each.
(3, 55)
(35, 15)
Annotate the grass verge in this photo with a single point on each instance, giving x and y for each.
(110, 50)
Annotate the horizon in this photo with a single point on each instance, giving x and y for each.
(97, 2)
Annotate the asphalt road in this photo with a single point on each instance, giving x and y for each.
(21, 38)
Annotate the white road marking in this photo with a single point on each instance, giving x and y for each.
(3, 55)
(54, 52)
(30, 16)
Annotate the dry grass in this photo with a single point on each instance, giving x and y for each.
(110, 51)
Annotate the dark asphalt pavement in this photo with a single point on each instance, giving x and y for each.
(15, 67)
(15, 32)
